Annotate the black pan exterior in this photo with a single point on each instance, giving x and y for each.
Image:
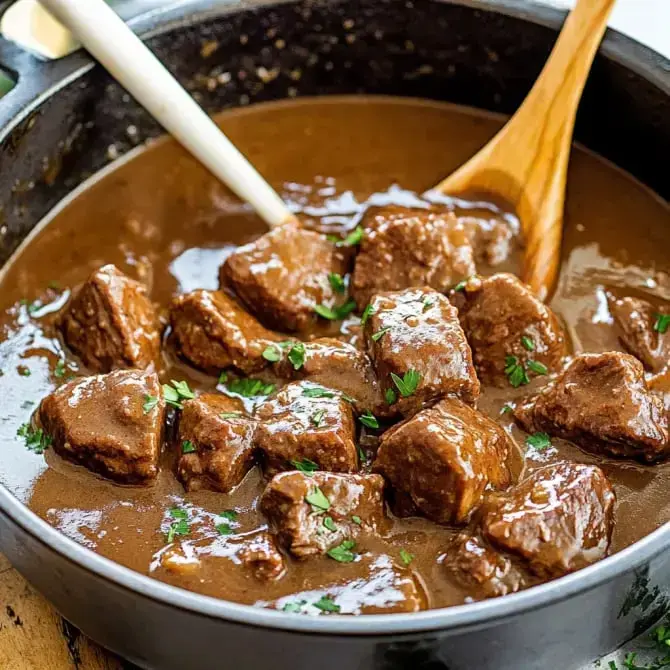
(65, 120)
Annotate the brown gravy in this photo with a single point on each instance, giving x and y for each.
(162, 218)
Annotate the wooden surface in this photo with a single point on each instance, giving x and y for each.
(33, 636)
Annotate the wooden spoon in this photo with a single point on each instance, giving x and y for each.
(133, 65)
(526, 163)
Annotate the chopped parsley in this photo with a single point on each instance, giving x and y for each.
(272, 353)
(306, 466)
(367, 313)
(150, 401)
(187, 447)
(317, 417)
(662, 323)
(294, 607)
(353, 238)
(337, 282)
(176, 392)
(327, 604)
(356, 519)
(527, 343)
(380, 333)
(248, 387)
(427, 303)
(362, 456)
(336, 313)
(36, 440)
(539, 441)
(506, 409)
(179, 526)
(230, 514)
(369, 420)
(223, 377)
(406, 557)
(230, 415)
(224, 529)
(329, 524)
(390, 396)
(178, 513)
(342, 553)
(408, 383)
(60, 369)
(538, 368)
(516, 372)
(317, 499)
(34, 307)
(461, 285)
(318, 392)
(296, 355)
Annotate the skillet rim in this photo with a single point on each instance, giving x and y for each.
(642, 60)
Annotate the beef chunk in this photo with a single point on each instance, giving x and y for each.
(503, 321)
(297, 425)
(491, 238)
(313, 514)
(111, 323)
(558, 520)
(374, 584)
(483, 571)
(415, 333)
(283, 275)
(216, 443)
(408, 247)
(444, 458)
(215, 333)
(111, 423)
(635, 319)
(260, 555)
(601, 402)
(339, 366)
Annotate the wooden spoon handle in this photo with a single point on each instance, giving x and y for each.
(526, 163)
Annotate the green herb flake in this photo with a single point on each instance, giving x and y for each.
(171, 396)
(306, 466)
(343, 553)
(230, 514)
(35, 440)
(60, 369)
(538, 368)
(369, 420)
(428, 302)
(539, 441)
(294, 607)
(362, 456)
(296, 355)
(353, 238)
(367, 313)
(183, 390)
(408, 383)
(178, 513)
(336, 313)
(250, 388)
(318, 392)
(356, 519)
(224, 529)
(662, 323)
(461, 285)
(337, 282)
(230, 415)
(327, 604)
(223, 377)
(317, 499)
(329, 524)
(180, 527)
(380, 333)
(317, 418)
(507, 409)
(150, 401)
(527, 343)
(516, 372)
(34, 307)
(272, 353)
(406, 557)
(24, 371)
(390, 396)
(187, 447)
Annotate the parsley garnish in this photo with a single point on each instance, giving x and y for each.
(390, 396)
(294, 607)
(369, 420)
(336, 313)
(427, 303)
(408, 383)
(342, 553)
(380, 333)
(306, 466)
(230, 415)
(527, 343)
(317, 499)
(249, 388)
(329, 524)
(187, 447)
(538, 368)
(461, 285)
(223, 377)
(176, 393)
(180, 525)
(353, 238)
(317, 417)
(59, 368)
(150, 401)
(272, 353)
(406, 557)
(327, 604)
(36, 440)
(318, 392)
(230, 514)
(362, 456)
(224, 529)
(538, 441)
(356, 519)
(337, 282)
(367, 313)
(515, 371)
(506, 409)
(662, 323)
(297, 355)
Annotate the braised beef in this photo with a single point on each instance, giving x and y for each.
(444, 458)
(601, 402)
(406, 247)
(283, 276)
(112, 424)
(418, 349)
(215, 443)
(558, 520)
(214, 333)
(492, 238)
(302, 422)
(508, 328)
(313, 513)
(111, 323)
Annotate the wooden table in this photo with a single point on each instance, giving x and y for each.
(33, 636)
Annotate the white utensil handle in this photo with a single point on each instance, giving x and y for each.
(135, 67)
